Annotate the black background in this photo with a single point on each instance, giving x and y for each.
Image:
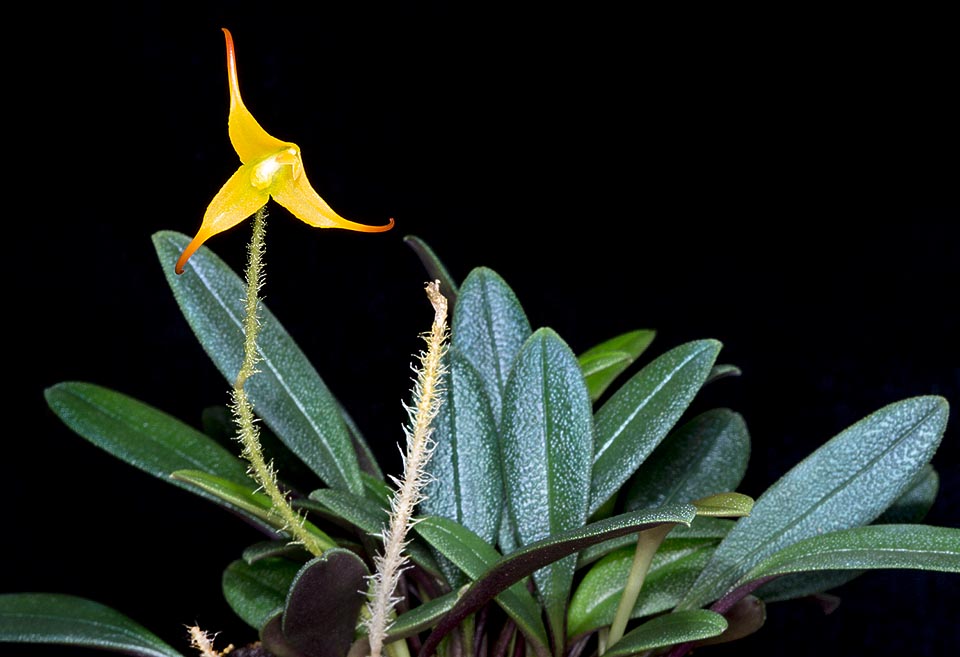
(784, 183)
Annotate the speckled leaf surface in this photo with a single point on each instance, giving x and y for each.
(849, 481)
(287, 392)
(464, 481)
(256, 592)
(489, 328)
(668, 630)
(606, 361)
(547, 439)
(707, 455)
(68, 620)
(640, 413)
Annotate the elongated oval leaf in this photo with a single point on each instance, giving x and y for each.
(246, 498)
(606, 361)
(464, 480)
(257, 592)
(526, 560)
(706, 455)
(420, 618)
(847, 482)
(474, 557)
(286, 392)
(547, 439)
(668, 630)
(144, 437)
(638, 415)
(489, 328)
(69, 620)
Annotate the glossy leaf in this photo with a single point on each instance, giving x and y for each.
(489, 328)
(546, 443)
(606, 361)
(474, 556)
(847, 482)
(323, 606)
(68, 620)
(287, 392)
(668, 630)
(724, 505)
(517, 565)
(435, 268)
(673, 569)
(245, 497)
(145, 437)
(743, 619)
(638, 415)
(464, 477)
(420, 618)
(256, 592)
(706, 455)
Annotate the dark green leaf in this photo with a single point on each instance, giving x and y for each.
(517, 565)
(266, 549)
(286, 392)
(706, 455)
(546, 443)
(847, 482)
(464, 481)
(257, 591)
(703, 530)
(245, 497)
(638, 415)
(474, 557)
(365, 456)
(435, 268)
(603, 363)
(73, 621)
(489, 327)
(743, 619)
(722, 372)
(324, 602)
(421, 617)
(145, 437)
(668, 630)
(912, 506)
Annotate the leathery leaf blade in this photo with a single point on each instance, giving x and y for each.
(257, 591)
(668, 630)
(849, 481)
(287, 392)
(68, 620)
(606, 361)
(546, 442)
(640, 413)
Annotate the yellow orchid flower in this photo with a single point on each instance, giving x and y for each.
(270, 168)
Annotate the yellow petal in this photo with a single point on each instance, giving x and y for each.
(235, 201)
(298, 196)
(249, 139)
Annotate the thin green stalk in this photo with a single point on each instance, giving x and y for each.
(248, 434)
(648, 542)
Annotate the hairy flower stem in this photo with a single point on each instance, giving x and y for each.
(247, 432)
(648, 542)
(427, 397)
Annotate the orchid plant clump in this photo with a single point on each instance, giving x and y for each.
(545, 508)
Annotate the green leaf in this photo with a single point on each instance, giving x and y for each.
(69, 620)
(464, 480)
(420, 618)
(668, 630)
(526, 560)
(915, 547)
(606, 361)
(723, 371)
(706, 455)
(912, 506)
(724, 505)
(674, 568)
(702, 530)
(638, 415)
(287, 392)
(847, 482)
(145, 437)
(489, 328)
(245, 498)
(546, 443)
(266, 549)
(474, 556)
(256, 592)
(435, 268)
(324, 602)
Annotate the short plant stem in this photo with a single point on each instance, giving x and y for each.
(247, 432)
(427, 397)
(648, 542)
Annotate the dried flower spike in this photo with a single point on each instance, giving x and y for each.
(270, 167)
